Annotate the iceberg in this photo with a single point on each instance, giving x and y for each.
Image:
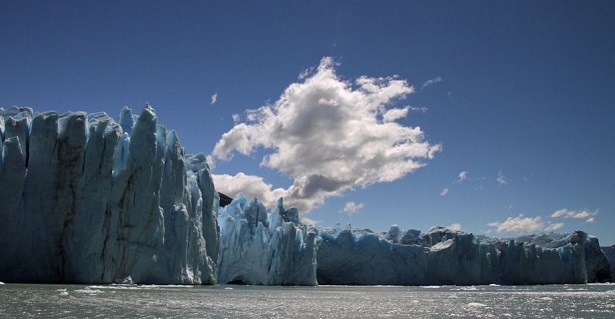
(87, 200)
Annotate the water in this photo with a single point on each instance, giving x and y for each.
(113, 301)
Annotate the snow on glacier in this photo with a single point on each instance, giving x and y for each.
(85, 199)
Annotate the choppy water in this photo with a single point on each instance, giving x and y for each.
(112, 301)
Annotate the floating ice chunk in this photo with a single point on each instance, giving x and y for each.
(468, 288)
(88, 290)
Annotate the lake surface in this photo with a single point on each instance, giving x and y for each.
(118, 301)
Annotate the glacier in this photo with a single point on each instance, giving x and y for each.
(444, 257)
(265, 247)
(86, 199)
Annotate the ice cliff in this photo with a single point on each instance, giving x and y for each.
(265, 247)
(85, 199)
(444, 257)
(609, 251)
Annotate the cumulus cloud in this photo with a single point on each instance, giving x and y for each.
(249, 185)
(588, 215)
(431, 82)
(330, 135)
(519, 224)
(214, 98)
(352, 207)
(501, 179)
(444, 191)
(454, 227)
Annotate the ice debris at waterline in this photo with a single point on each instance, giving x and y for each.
(87, 200)
(84, 199)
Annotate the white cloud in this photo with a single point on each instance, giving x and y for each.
(395, 114)
(444, 191)
(418, 109)
(501, 179)
(431, 82)
(454, 227)
(236, 118)
(330, 136)
(249, 185)
(312, 222)
(352, 207)
(463, 176)
(214, 98)
(553, 226)
(588, 215)
(519, 224)
(210, 162)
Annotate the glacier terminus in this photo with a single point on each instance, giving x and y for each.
(88, 199)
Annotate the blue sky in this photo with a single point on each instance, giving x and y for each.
(514, 100)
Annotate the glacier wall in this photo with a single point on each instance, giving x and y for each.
(444, 257)
(85, 199)
(265, 247)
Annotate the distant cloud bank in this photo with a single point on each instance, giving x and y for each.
(522, 224)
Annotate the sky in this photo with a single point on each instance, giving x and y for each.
(492, 117)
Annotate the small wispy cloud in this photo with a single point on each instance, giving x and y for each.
(418, 109)
(352, 207)
(588, 215)
(236, 118)
(444, 191)
(431, 82)
(463, 176)
(553, 226)
(519, 224)
(454, 227)
(501, 178)
(214, 98)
